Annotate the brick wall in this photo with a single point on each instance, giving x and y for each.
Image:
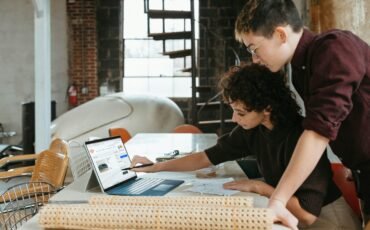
(82, 46)
(95, 50)
(218, 18)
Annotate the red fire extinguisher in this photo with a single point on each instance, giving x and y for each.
(72, 95)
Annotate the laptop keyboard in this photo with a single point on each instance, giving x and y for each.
(139, 186)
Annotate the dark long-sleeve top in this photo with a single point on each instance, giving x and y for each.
(273, 150)
(331, 72)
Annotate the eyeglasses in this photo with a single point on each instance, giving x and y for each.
(253, 52)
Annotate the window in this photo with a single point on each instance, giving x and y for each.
(146, 69)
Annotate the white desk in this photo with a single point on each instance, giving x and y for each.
(152, 146)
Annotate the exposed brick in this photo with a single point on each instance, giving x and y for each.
(82, 55)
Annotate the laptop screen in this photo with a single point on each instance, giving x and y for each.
(109, 157)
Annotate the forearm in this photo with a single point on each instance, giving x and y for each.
(307, 153)
(192, 162)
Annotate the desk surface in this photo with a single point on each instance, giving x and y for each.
(153, 145)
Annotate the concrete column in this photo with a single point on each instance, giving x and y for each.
(42, 74)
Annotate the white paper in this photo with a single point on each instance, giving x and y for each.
(211, 186)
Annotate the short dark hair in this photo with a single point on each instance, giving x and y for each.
(258, 88)
(263, 16)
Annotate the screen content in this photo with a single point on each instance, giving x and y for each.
(109, 158)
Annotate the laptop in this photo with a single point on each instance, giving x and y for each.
(109, 157)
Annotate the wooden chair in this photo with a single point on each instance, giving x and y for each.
(18, 206)
(57, 145)
(125, 135)
(50, 167)
(346, 186)
(21, 201)
(187, 128)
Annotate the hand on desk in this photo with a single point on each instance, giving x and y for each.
(282, 215)
(246, 185)
(280, 212)
(137, 160)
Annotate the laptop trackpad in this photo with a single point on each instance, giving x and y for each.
(162, 187)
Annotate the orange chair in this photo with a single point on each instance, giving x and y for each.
(125, 135)
(186, 128)
(346, 186)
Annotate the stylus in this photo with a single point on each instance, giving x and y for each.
(139, 166)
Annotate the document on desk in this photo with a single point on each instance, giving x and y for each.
(211, 186)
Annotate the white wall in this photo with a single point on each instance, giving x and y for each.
(17, 60)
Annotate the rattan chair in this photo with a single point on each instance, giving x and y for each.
(57, 145)
(20, 202)
(50, 167)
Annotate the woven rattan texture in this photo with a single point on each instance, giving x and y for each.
(50, 167)
(231, 201)
(85, 216)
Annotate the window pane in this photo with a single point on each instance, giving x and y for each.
(136, 67)
(154, 4)
(176, 25)
(135, 85)
(177, 5)
(160, 67)
(143, 48)
(169, 87)
(172, 45)
(136, 49)
(145, 68)
(135, 23)
(156, 26)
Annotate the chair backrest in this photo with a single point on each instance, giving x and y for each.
(187, 128)
(125, 135)
(59, 146)
(50, 167)
(346, 186)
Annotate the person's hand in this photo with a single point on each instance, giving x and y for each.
(142, 160)
(244, 185)
(281, 214)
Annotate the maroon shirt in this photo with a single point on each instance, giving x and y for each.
(331, 72)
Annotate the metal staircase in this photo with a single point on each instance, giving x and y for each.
(187, 34)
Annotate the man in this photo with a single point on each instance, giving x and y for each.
(269, 126)
(331, 72)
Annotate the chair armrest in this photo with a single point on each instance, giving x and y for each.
(23, 171)
(19, 158)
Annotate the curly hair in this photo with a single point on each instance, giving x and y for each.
(258, 88)
(263, 16)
